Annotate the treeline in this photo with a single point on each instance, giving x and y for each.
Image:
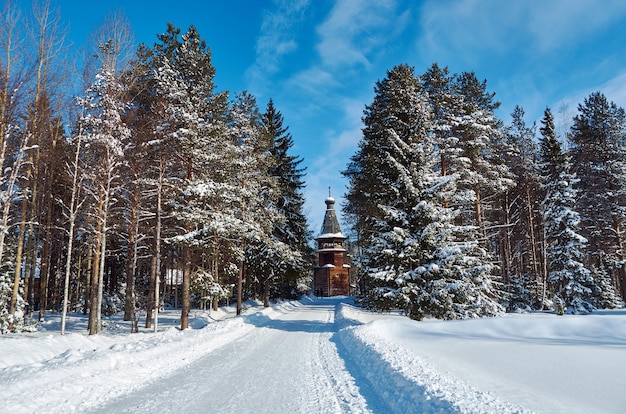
(150, 188)
(456, 215)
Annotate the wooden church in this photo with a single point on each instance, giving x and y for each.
(332, 273)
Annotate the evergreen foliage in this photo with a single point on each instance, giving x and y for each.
(599, 161)
(412, 252)
(521, 264)
(571, 280)
(293, 232)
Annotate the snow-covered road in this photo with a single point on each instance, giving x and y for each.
(289, 364)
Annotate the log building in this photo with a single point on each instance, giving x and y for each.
(332, 273)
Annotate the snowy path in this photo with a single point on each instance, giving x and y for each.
(289, 364)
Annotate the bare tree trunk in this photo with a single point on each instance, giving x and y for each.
(506, 242)
(620, 255)
(545, 269)
(266, 293)
(243, 260)
(533, 242)
(73, 208)
(94, 318)
(240, 287)
(186, 302)
(151, 293)
(88, 275)
(131, 259)
(76, 295)
(157, 242)
(45, 262)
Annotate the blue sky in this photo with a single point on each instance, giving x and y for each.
(319, 59)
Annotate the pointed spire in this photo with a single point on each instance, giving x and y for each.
(331, 223)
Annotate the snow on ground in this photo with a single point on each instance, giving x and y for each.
(320, 355)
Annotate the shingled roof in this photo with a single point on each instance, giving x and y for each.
(330, 227)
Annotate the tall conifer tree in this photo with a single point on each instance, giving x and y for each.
(599, 161)
(193, 121)
(414, 254)
(570, 279)
(290, 201)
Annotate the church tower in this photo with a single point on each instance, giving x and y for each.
(332, 274)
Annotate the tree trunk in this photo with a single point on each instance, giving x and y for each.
(18, 262)
(186, 303)
(266, 293)
(129, 302)
(94, 318)
(151, 292)
(93, 288)
(157, 242)
(88, 275)
(240, 288)
(186, 300)
(73, 207)
(533, 242)
(131, 257)
(620, 255)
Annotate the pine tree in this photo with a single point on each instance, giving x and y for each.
(599, 161)
(104, 138)
(266, 256)
(192, 122)
(521, 235)
(571, 280)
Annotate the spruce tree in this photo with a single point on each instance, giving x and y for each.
(372, 183)
(599, 161)
(571, 280)
(290, 201)
(414, 254)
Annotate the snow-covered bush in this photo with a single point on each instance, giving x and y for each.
(12, 322)
(112, 303)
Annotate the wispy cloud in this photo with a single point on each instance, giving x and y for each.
(563, 22)
(475, 28)
(615, 90)
(356, 29)
(276, 38)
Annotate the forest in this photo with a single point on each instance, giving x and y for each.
(142, 188)
(138, 186)
(457, 215)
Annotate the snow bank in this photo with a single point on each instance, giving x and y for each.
(75, 372)
(516, 363)
(406, 382)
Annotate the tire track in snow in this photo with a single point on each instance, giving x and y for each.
(347, 393)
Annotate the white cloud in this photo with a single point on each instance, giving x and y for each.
(356, 29)
(561, 22)
(615, 90)
(276, 38)
(474, 29)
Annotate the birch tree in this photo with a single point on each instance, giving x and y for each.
(104, 138)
